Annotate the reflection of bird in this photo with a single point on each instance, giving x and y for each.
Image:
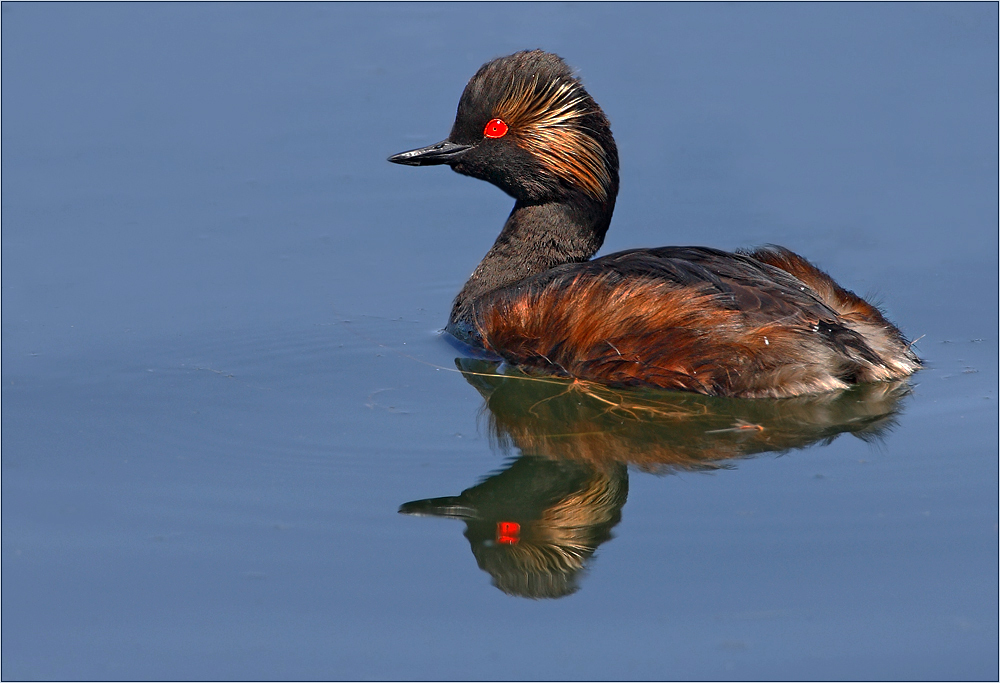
(765, 323)
(663, 430)
(534, 525)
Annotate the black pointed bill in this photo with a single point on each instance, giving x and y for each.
(441, 153)
(451, 506)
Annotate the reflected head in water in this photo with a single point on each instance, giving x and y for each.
(534, 525)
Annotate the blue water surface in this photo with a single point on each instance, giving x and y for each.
(223, 376)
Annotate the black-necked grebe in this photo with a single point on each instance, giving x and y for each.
(762, 323)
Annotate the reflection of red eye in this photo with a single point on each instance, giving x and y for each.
(495, 129)
(508, 533)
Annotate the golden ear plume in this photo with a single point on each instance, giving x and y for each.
(547, 121)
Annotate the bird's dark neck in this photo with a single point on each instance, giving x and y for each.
(535, 238)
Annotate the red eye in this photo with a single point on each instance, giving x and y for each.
(495, 129)
(508, 533)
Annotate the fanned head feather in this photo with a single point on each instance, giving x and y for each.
(563, 134)
(546, 120)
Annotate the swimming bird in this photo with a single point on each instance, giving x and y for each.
(757, 323)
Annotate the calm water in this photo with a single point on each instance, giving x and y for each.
(222, 376)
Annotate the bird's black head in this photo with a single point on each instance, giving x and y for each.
(526, 124)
